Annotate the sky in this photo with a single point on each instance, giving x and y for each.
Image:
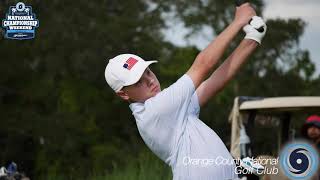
(307, 10)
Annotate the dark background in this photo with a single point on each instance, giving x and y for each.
(60, 120)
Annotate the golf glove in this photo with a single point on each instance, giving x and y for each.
(256, 29)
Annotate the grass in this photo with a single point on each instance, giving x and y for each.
(147, 166)
(144, 167)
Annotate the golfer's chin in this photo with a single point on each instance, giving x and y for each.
(150, 95)
(155, 92)
(146, 95)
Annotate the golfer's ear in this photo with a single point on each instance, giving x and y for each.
(123, 95)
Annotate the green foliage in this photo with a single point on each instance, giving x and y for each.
(176, 65)
(59, 120)
(146, 166)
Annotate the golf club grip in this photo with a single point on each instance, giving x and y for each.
(260, 29)
(240, 2)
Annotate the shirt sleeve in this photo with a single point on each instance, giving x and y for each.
(174, 100)
(194, 107)
(168, 114)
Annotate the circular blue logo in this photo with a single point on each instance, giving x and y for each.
(299, 160)
(20, 6)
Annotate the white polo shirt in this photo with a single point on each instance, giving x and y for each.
(170, 126)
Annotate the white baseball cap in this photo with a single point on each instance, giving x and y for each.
(124, 70)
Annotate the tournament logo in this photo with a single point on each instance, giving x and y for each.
(20, 22)
(299, 160)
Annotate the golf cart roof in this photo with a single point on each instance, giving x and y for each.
(285, 103)
(264, 110)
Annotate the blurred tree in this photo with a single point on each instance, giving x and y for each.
(53, 92)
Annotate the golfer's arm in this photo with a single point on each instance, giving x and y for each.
(226, 71)
(209, 57)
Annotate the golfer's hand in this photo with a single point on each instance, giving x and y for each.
(251, 29)
(243, 14)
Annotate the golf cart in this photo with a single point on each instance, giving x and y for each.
(262, 126)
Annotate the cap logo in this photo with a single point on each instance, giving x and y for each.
(130, 63)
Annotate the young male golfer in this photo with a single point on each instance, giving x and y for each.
(167, 119)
